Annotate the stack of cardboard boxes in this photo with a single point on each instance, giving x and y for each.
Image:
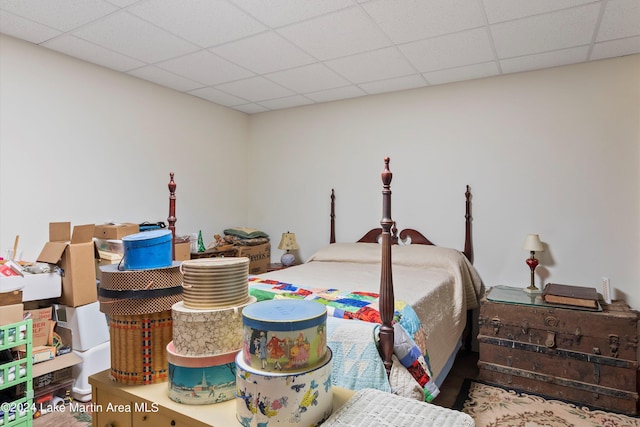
(64, 308)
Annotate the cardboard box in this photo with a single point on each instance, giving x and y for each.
(115, 231)
(182, 251)
(259, 256)
(60, 362)
(75, 255)
(42, 325)
(89, 326)
(43, 353)
(10, 297)
(11, 314)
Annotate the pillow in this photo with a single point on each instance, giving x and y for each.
(245, 233)
(367, 253)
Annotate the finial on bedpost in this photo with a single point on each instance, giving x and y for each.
(468, 244)
(172, 214)
(332, 235)
(386, 297)
(386, 174)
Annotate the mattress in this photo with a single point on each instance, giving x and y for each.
(439, 283)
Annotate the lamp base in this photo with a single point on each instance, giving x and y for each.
(287, 259)
(532, 290)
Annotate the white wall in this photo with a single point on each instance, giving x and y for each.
(554, 152)
(85, 144)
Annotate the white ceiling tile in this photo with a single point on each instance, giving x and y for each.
(287, 102)
(90, 52)
(615, 48)
(251, 108)
(205, 67)
(25, 29)
(545, 60)
(164, 78)
(63, 15)
(410, 20)
(122, 3)
(264, 53)
(392, 85)
(130, 35)
(505, 10)
(453, 50)
(309, 78)
(217, 96)
(255, 89)
(541, 33)
(469, 72)
(339, 34)
(336, 94)
(204, 22)
(374, 65)
(259, 55)
(621, 19)
(276, 13)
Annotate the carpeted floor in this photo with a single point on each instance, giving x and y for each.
(75, 415)
(493, 406)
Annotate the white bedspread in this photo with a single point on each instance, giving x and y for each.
(439, 283)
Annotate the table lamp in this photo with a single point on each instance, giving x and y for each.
(533, 245)
(288, 243)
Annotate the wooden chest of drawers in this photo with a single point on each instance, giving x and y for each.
(588, 357)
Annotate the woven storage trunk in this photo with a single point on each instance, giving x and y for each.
(138, 344)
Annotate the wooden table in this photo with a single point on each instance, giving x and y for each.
(120, 405)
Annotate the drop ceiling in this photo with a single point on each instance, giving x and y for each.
(261, 55)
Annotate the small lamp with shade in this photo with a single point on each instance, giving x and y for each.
(288, 243)
(533, 245)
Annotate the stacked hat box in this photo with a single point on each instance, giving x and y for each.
(207, 330)
(137, 296)
(194, 324)
(284, 368)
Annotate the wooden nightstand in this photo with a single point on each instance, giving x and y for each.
(275, 266)
(583, 356)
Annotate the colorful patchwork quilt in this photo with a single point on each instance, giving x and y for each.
(409, 341)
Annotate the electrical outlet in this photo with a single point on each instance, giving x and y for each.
(606, 290)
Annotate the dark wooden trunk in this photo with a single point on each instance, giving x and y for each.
(576, 355)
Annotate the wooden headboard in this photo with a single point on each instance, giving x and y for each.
(414, 236)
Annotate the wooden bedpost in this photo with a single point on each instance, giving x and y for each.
(172, 214)
(386, 298)
(332, 236)
(468, 244)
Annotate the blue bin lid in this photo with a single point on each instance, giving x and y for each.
(146, 235)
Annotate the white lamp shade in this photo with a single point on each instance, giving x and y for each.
(533, 243)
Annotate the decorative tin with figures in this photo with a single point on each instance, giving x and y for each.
(284, 335)
(201, 380)
(269, 398)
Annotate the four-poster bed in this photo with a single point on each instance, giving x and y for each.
(387, 236)
(434, 290)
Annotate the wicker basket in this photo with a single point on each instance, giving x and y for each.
(138, 344)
